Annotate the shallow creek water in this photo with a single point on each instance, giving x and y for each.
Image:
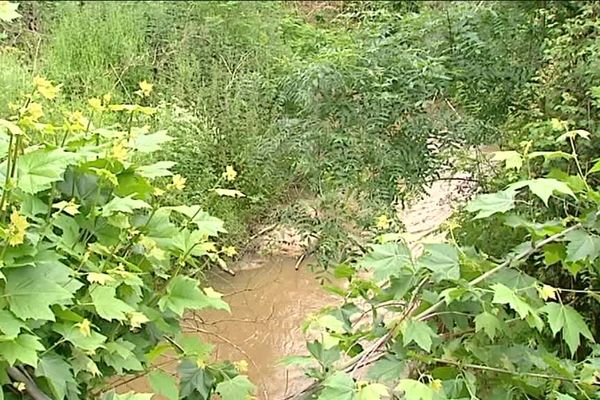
(269, 300)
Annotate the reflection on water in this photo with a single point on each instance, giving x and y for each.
(268, 305)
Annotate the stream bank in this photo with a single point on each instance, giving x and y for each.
(270, 299)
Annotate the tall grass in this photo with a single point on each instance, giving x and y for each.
(96, 47)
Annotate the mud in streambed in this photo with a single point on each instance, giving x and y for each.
(268, 305)
(269, 300)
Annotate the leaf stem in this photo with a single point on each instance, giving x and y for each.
(505, 371)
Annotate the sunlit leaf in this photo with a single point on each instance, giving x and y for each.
(30, 294)
(512, 159)
(415, 390)
(107, 305)
(123, 204)
(419, 332)
(8, 11)
(339, 386)
(488, 204)
(158, 169)
(183, 293)
(236, 388)
(442, 260)
(544, 188)
(164, 384)
(148, 143)
(387, 260)
(23, 348)
(582, 245)
(37, 170)
(489, 323)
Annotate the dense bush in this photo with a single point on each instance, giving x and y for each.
(94, 261)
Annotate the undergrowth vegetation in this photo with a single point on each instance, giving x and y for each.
(134, 135)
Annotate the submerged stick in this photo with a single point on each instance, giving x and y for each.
(299, 261)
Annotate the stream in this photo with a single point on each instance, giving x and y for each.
(269, 300)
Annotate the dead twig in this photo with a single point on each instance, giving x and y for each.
(235, 346)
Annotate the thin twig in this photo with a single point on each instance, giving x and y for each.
(235, 346)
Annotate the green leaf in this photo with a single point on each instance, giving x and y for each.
(156, 170)
(30, 294)
(387, 369)
(595, 168)
(10, 325)
(71, 333)
(544, 188)
(570, 322)
(325, 356)
(582, 246)
(561, 396)
(127, 396)
(38, 169)
(119, 355)
(159, 228)
(107, 305)
(194, 347)
(194, 380)
(24, 349)
(237, 388)
(164, 384)
(387, 260)
(8, 11)
(301, 361)
(418, 332)
(148, 143)
(339, 386)
(442, 260)
(415, 390)
(489, 204)
(512, 159)
(372, 391)
(207, 224)
(190, 242)
(489, 323)
(183, 293)
(57, 372)
(504, 295)
(554, 253)
(123, 204)
(550, 155)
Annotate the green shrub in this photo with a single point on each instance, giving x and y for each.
(94, 259)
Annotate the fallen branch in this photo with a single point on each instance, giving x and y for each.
(256, 236)
(299, 261)
(16, 375)
(225, 268)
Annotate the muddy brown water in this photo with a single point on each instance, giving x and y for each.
(269, 300)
